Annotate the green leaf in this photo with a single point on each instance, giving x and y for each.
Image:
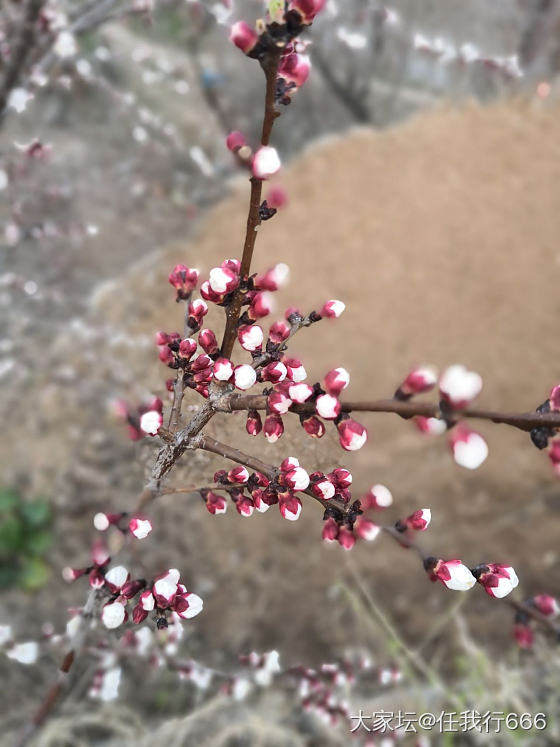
(36, 513)
(34, 574)
(8, 501)
(38, 542)
(11, 535)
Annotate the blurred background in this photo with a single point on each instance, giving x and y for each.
(422, 164)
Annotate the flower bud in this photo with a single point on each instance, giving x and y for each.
(296, 479)
(216, 504)
(222, 280)
(166, 355)
(210, 295)
(279, 403)
(296, 370)
(183, 279)
(198, 309)
(323, 489)
(290, 506)
(250, 336)
(261, 305)
(244, 376)
(327, 406)
(254, 423)
(266, 162)
(187, 348)
(346, 538)
(103, 520)
(555, 398)
(498, 580)
(294, 68)
(378, 496)
(341, 478)
(273, 428)
(113, 615)
(279, 331)
(289, 463)
(430, 426)
(313, 426)
(274, 372)
(235, 140)
(452, 573)
(223, 369)
(366, 529)
(165, 588)
(554, 455)
(151, 422)
(469, 448)
(208, 342)
(546, 605)
(140, 528)
(352, 435)
(238, 475)
(458, 386)
(307, 9)
(336, 381)
(523, 635)
(417, 521)
(332, 309)
(244, 37)
(273, 279)
(245, 506)
(419, 380)
(330, 530)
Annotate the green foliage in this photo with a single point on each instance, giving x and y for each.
(25, 537)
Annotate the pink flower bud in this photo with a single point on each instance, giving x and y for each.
(273, 428)
(245, 506)
(336, 381)
(332, 309)
(216, 504)
(208, 342)
(151, 422)
(232, 264)
(140, 528)
(166, 355)
(96, 579)
(162, 338)
(523, 635)
(294, 68)
(279, 403)
(165, 588)
(235, 140)
(113, 615)
(261, 305)
(266, 162)
(546, 605)
(254, 423)
(418, 521)
(289, 463)
(296, 370)
(183, 279)
(378, 496)
(418, 381)
(187, 348)
(276, 198)
(313, 426)
(554, 455)
(341, 478)
(352, 435)
(198, 309)
(244, 376)
(188, 605)
(117, 577)
(452, 573)
(307, 9)
(290, 506)
(498, 580)
(274, 372)
(430, 426)
(346, 538)
(258, 499)
(458, 386)
(279, 331)
(555, 398)
(250, 336)
(243, 36)
(469, 448)
(300, 392)
(147, 601)
(201, 363)
(238, 475)
(210, 295)
(222, 280)
(296, 479)
(366, 529)
(323, 489)
(327, 406)
(223, 369)
(330, 530)
(273, 279)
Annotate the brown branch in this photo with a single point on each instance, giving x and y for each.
(525, 421)
(268, 470)
(270, 67)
